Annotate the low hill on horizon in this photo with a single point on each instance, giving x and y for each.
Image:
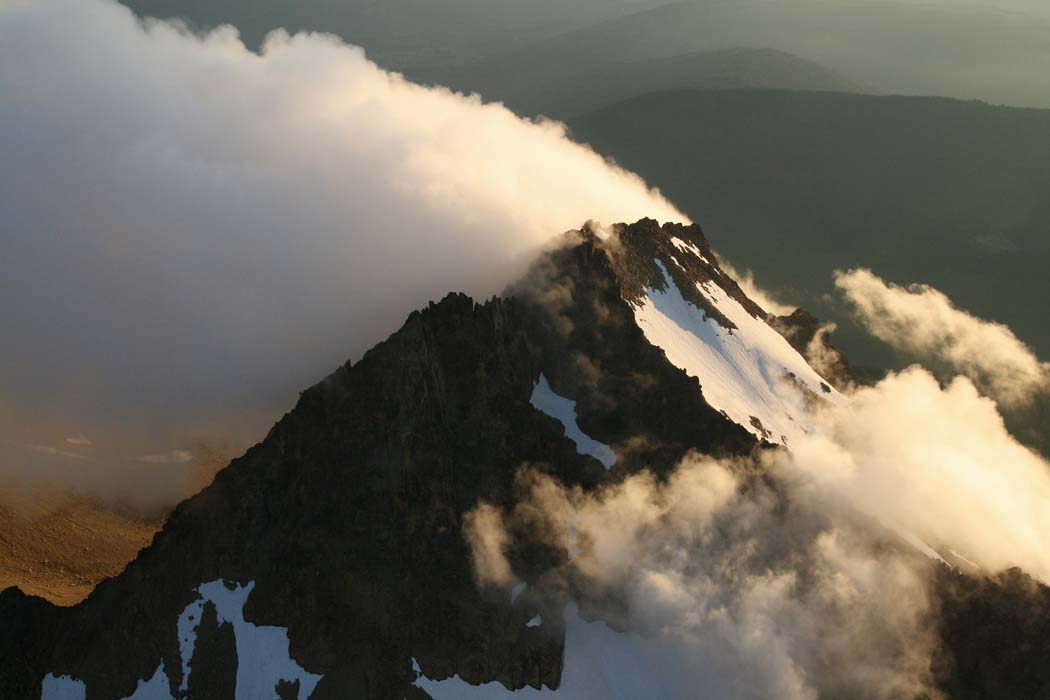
(890, 47)
(570, 92)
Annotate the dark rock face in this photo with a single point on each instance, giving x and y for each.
(996, 634)
(640, 245)
(349, 516)
(213, 667)
(810, 337)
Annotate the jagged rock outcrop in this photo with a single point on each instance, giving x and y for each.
(996, 633)
(810, 337)
(214, 660)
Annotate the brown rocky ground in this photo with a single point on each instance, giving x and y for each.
(61, 547)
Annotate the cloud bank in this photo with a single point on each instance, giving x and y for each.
(748, 595)
(922, 320)
(194, 232)
(934, 463)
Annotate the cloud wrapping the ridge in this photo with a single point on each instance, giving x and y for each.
(745, 595)
(487, 538)
(934, 463)
(922, 320)
(194, 232)
(806, 571)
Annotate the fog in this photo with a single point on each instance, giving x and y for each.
(193, 232)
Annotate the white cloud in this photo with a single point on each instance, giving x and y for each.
(922, 320)
(488, 539)
(194, 232)
(936, 463)
(78, 440)
(749, 596)
(173, 457)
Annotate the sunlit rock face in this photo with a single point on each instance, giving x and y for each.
(330, 561)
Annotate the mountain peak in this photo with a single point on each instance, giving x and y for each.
(689, 307)
(332, 560)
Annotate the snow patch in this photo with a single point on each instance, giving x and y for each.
(926, 549)
(599, 663)
(564, 411)
(62, 688)
(964, 560)
(534, 622)
(263, 658)
(745, 373)
(686, 247)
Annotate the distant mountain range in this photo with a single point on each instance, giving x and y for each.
(963, 51)
(571, 89)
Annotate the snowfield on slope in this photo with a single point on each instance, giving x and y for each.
(599, 664)
(746, 372)
(263, 657)
(564, 411)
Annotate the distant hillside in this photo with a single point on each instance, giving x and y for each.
(793, 185)
(568, 92)
(401, 33)
(506, 49)
(965, 51)
(60, 550)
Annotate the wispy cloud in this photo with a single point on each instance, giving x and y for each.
(173, 457)
(78, 440)
(922, 320)
(52, 451)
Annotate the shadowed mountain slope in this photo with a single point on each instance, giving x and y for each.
(330, 561)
